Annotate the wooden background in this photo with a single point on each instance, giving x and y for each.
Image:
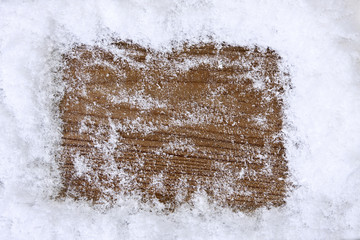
(203, 119)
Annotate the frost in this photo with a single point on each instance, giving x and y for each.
(139, 100)
(82, 165)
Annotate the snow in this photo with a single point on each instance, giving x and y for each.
(319, 43)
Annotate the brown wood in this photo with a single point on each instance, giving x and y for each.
(165, 125)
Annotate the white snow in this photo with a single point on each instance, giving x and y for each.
(319, 43)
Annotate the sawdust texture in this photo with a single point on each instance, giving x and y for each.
(165, 126)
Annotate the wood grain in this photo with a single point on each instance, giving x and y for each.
(167, 125)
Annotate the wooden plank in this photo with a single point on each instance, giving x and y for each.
(165, 125)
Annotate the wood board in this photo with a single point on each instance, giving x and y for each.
(164, 126)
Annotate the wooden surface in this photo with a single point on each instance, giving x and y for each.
(167, 125)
